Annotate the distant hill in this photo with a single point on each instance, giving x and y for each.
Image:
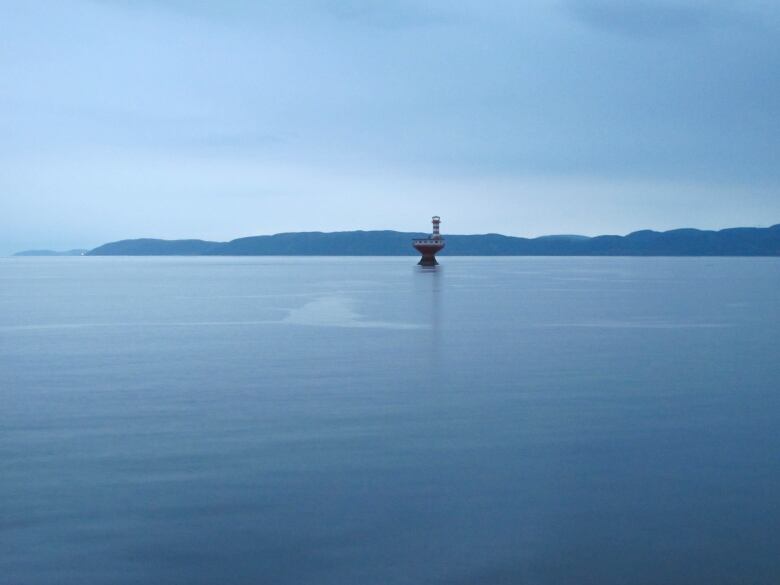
(681, 242)
(52, 253)
(152, 247)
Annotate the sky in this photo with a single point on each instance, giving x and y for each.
(218, 119)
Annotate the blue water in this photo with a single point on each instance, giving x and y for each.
(360, 420)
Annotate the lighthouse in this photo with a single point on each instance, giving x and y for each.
(428, 247)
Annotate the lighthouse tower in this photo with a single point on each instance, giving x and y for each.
(428, 247)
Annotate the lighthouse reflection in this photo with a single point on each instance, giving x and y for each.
(429, 289)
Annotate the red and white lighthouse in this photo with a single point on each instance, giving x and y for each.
(428, 247)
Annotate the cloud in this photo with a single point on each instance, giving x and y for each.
(646, 18)
(243, 117)
(398, 14)
(383, 14)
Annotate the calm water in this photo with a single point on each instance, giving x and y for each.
(361, 421)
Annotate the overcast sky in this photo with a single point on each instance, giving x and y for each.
(218, 119)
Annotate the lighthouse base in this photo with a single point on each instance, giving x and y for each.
(428, 247)
(428, 260)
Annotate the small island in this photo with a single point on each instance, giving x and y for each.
(79, 252)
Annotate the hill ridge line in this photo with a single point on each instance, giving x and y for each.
(738, 241)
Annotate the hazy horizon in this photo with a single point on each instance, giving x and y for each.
(218, 120)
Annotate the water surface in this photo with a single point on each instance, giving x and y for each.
(360, 420)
